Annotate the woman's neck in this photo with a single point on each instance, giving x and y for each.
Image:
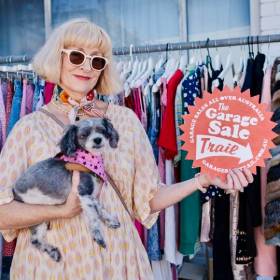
(75, 95)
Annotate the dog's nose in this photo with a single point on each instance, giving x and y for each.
(97, 140)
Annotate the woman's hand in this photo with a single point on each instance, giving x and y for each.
(237, 179)
(72, 206)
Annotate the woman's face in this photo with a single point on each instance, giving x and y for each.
(82, 78)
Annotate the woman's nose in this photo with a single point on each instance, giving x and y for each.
(86, 66)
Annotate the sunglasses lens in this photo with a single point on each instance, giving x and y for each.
(98, 63)
(76, 58)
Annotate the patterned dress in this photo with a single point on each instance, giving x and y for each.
(133, 168)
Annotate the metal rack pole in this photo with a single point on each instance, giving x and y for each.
(170, 47)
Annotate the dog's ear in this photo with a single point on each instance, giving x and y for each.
(69, 142)
(112, 134)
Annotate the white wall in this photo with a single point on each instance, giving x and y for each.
(270, 23)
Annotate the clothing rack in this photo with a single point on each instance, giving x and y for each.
(170, 47)
(17, 74)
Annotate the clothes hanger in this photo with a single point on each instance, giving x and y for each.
(267, 57)
(162, 60)
(217, 60)
(208, 57)
(140, 77)
(167, 63)
(149, 70)
(227, 66)
(251, 47)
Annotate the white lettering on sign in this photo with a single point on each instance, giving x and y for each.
(212, 146)
(234, 129)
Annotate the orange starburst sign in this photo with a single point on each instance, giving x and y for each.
(227, 129)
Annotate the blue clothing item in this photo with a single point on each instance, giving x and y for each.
(153, 243)
(38, 92)
(153, 118)
(191, 89)
(16, 105)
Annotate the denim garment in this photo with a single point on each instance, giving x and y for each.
(16, 105)
(153, 115)
(38, 94)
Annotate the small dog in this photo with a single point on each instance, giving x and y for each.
(49, 182)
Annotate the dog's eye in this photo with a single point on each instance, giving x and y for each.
(83, 136)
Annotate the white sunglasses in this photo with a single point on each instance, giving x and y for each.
(78, 58)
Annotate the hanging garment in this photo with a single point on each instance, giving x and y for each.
(265, 262)
(250, 215)
(167, 137)
(153, 122)
(48, 92)
(205, 222)
(248, 80)
(23, 100)
(258, 74)
(3, 121)
(214, 76)
(4, 88)
(221, 246)
(9, 100)
(189, 223)
(178, 121)
(29, 97)
(240, 271)
(191, 89)
(38, 94)
(16, 105)
(171, 253)
(162, 270)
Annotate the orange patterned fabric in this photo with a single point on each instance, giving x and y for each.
(133, 168)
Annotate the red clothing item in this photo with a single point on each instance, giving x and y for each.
(48, 92)
(167, 137)
(9, 248)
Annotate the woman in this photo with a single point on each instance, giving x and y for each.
(131, 166)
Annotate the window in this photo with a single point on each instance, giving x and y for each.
(21, 27)
(127, 21)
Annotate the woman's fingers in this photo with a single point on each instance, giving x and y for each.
(75, 181)
(248, 175)
(241, 177)
(235, 179)
(229, 181)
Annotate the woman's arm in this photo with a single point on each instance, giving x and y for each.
(15, 215)
(170, 195)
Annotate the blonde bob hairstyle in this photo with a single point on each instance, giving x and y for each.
(80, 33)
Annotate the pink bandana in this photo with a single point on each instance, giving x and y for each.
(94, 163)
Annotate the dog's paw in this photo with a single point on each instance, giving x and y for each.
(55, 254)
(114, 223)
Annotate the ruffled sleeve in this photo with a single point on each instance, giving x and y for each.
(146, 177)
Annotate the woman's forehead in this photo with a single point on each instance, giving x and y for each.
(86, 49)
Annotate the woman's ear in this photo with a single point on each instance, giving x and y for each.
(69, 142)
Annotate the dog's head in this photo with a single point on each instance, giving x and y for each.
(91, 135)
